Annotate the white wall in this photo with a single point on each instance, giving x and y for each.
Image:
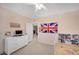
(68, 23)
(29, 31)
(48, 38)
(6, 17)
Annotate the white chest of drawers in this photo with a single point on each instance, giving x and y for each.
(14, 43)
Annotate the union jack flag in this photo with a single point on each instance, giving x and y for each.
(49, 28)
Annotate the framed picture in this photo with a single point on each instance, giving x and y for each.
(75, 39)
(64, 38)
(61, 38)
(49, 27)
(14, 25)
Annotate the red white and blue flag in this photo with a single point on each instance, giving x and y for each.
(49, 28)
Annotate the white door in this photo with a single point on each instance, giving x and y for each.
(29, 31)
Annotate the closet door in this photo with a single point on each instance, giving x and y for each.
(29, 31)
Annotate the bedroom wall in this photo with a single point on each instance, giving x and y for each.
(6, 17)
(67, 23)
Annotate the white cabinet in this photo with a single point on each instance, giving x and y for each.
(1, 44)
(14, 43)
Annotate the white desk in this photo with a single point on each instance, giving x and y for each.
(14, 43)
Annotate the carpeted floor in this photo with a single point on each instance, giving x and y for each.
(66, 49)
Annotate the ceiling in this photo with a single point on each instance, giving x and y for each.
(52, 9)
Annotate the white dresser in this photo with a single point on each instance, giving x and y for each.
(1, 43)
(14, 43)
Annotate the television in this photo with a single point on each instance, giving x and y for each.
(18, 32)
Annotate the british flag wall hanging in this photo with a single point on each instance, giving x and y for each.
(49, 28)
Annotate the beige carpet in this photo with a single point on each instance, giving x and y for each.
(66, 49)
(35, 48)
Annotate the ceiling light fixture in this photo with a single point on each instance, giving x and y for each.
(39, 6)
